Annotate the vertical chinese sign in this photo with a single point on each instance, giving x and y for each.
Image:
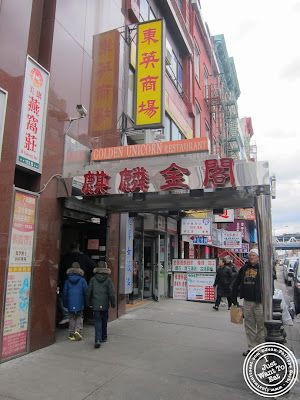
(105, 81)
(150, 100)
(126, 253)
(3, 102)
(18, 283)
(33, 117)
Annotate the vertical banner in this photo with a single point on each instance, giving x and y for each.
(18, 283)
(3, 102)
(179, 287)
(150, 66)
(33, 117)
(126, 254)
(105, 81)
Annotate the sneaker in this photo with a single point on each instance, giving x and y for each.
(71, 336)
(104, 340)
(77, 335)
(63, 321)
(97, 345)
(216, 308)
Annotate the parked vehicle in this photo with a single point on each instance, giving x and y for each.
(297, 288)
(288, 270)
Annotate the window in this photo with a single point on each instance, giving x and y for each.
(206, 75)
(130, 93)
(197, 62)
(146, 13)
(207, 129)
(174, 70)
(214, 145)
(198, 120)
(172, 132)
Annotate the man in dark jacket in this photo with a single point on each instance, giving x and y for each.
(99, 294)
(233, 268)
(73, 298)
(248, 279)
(223, 282)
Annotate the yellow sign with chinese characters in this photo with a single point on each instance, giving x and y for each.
(149, 103)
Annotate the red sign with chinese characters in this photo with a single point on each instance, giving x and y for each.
(218, 172)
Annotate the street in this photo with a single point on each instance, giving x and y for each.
(168, 350)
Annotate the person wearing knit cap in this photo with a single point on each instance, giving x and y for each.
(248, 279)
(99, 295)
(74, 293)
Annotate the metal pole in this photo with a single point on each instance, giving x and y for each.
(263, 221)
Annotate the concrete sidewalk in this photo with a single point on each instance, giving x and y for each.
(167, 350)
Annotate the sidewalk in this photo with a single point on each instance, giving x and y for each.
(167, 350)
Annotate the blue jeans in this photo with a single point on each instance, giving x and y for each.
(100, 322)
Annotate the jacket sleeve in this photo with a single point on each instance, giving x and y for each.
(89, 292)
(235, 286)
(111, 294)
(84, 287)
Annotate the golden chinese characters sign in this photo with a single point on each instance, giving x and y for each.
(149, 102)
(104, 94)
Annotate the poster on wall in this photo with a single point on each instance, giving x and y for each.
(179, 287)
(18, 284)
(33, 116)
(200, 287)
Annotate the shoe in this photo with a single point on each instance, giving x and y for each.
(228, 308)
(63, 321)
(78, 336)
(97, 345)
(216, 308)
(104, 340)
(246, 353)
(71, 336)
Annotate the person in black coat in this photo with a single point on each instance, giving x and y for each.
(223, 282)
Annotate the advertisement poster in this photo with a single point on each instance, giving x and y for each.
(33, 116)
(193, 226)
(200, 287)
(182, 265)
(179, 287)
(17, 300)
(232, 240)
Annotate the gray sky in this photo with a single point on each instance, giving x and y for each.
(263, 38)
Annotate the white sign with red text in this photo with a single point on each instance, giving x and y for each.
(33, 116)
(227, 216)
(196, 226)
(231, 240)
(179, 287)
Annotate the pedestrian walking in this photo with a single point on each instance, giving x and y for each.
(233, 268)
(99, 295)
(248, 279)
(73, 297)
(223, 282)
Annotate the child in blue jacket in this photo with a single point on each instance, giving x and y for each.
(73, 297)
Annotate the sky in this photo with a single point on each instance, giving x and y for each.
(263, 37)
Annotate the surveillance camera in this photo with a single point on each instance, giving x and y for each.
(82, 110)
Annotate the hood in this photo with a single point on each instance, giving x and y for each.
(74, 274)
(99, 270)
(101, 274)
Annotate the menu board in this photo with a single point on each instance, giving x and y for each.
(18, 286)
(200, 287)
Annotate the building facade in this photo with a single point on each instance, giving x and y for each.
(83, 56)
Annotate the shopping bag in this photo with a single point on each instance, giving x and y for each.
(236, 315)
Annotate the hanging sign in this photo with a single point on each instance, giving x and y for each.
(195, 265)
(18, 285)
(150, 75)
(33, 117)
(196, 226)
(227, 216)
(231, 240)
